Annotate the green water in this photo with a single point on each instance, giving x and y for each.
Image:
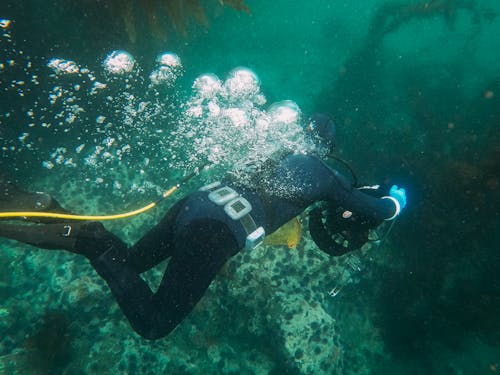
(414, 91)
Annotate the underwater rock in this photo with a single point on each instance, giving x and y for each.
(310, 350)
(265, 291)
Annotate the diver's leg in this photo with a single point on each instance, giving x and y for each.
(89, 239)
(48, 236)
(199, 254)
(150, 250)
(14, 199)
(157, 245)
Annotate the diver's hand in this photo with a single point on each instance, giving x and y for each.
(398, 196)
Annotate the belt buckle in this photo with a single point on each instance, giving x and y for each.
(67, 232)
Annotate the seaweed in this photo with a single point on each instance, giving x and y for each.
(161, 15)
(49, 348)
(440, 287)
(362, 69)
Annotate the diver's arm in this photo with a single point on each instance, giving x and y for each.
(309, 180)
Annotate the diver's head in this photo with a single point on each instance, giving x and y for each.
(322, 128)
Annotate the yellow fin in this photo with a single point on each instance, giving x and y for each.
(289, 234)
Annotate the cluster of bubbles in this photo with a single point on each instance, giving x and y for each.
(227, 123)
(121, 119)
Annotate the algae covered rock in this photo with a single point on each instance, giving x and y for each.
(308, 335)
(265, 300)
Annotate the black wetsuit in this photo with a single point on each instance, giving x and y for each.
(199, 237)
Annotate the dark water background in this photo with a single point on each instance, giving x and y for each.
(415, 91)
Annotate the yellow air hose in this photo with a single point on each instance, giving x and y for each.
(101, 217)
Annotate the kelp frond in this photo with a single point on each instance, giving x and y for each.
(156, 17)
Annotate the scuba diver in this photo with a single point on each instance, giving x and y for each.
(206, 228)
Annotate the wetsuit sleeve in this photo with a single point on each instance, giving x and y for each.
(308, 180)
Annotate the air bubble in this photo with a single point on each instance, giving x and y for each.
(207, 85)
(119, 62)
(61, 66)
(169, 59)
(5, 23)
(80, 148)
(137, 124)
(48, 164)
(285, 112)
(242, 83)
